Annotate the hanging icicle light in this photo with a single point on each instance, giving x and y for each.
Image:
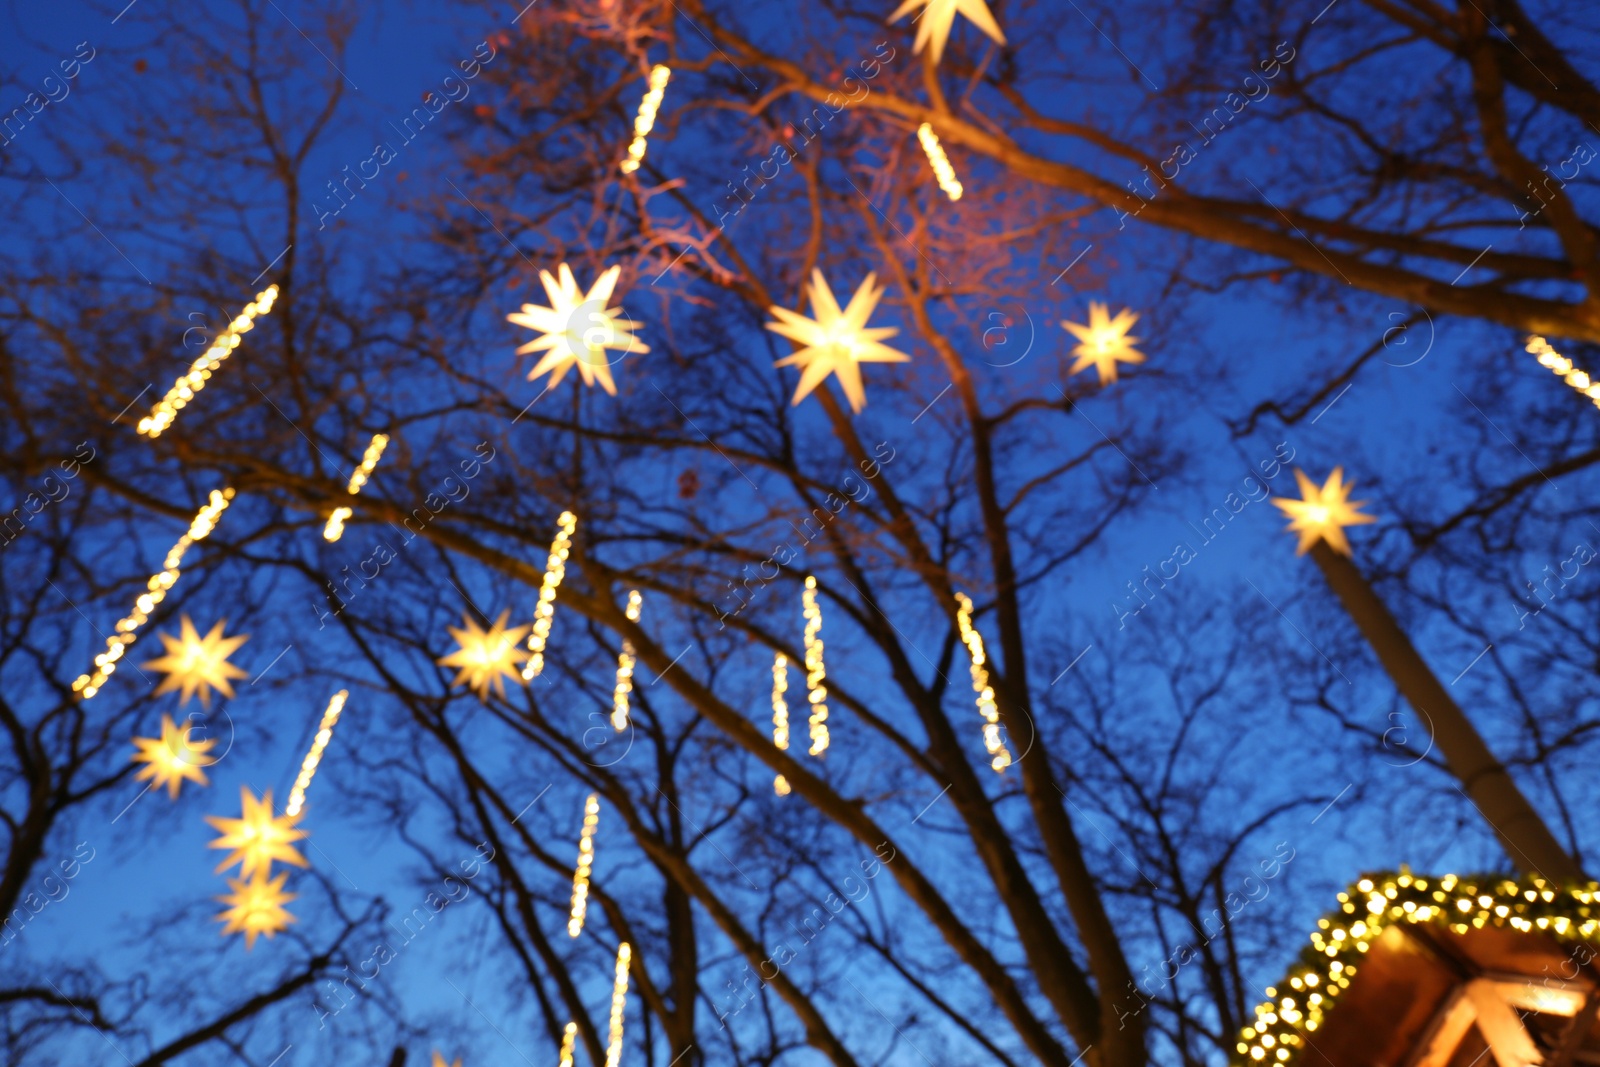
(127, 628)
(555, 569)
(619, 1001)
(646, 119)
(780, 715)
(1579, 380)
(580, 875)
(939, 161)
(817, 693)
(1000, 755)
(335, 528)
(569, 1038)
(308, 766)
(625, 661)
(187, 387)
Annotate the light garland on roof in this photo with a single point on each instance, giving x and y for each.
(1549, 357)
(335, 528)
(308, 766)
(580, 874)
(646, 119)
(1000, 756)
(555, 569)
(127, 628)
(1300, 1004)
(939, 161)
(780, 715)
(619, 1001)
(625, 662)
(816, 674)
(188, 387)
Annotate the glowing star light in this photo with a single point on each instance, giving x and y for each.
(580, 874)
(127, 628)
(258, 838)
(335, 528)
(817, 693)
(308, 766)
(577, 329)
(1323, 513)
(172, 757)
(1105, 341)
(780, 715)
(646, 119)
(184, 389)
(836, 342)
(195, 664)
(255, 907)
(1000, 756)
(1555, 361)
(486, 657)
(934, 23)
(939, 161)
(619, 1001)
(625, 662)
(555, 569)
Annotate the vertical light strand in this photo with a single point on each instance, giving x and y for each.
(1577, 379)
(569, 1038)
(1000, 755)
(625, 661)
(580, 874)
(205, 520)
(940, 162)
(187, 387)
(335, 528)
(816, 692)
(780, 715)
(555, 569)
(645, 121)
(308, 766)
(619, 1001)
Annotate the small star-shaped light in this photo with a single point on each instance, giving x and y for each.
(836, 341)
(195, 664)
(577, 328)
(255, 907)
(438, 1060)
(172, 757)
(940, 16)
(1105, 341)
(1323, 513)
(487, 657)
(258, 838)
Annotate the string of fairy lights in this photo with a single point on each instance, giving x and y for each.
(816, 674)
(188, 387)
(942, 170)
(619, 1004)
(580, 874)
(625, 665)
(308, 766)
(780, 716)
(1579, 380)
(555, 569)
(645, 121)
(335, 527)
(999, 754)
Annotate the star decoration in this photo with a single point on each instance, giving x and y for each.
(255, 907)
(1323, 513)
(940, 16)
(487, 657)
(836, 341)
(438, 1060)
(258, 837)
(172, 757)
(195, 664)
(1105, 341)
(577, 328)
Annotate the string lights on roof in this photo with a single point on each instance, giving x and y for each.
(625, 664)
(780, 715)
(335, 528)
(619, 1002)
(940, 162)
(127, 628)
(645, 121)
(1000, 755)
(1555, 361)
(816, 674)
(188, 387)
(555, 569)
(308, 766)
(580, 874)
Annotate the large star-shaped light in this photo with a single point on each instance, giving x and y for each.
(577, 328)
(940, 16)
(172, 757)
(1323, 513)
(1105, 341)
(258, 838)
(195, 664)
(256, 907)
(836, 341)
(487, 657)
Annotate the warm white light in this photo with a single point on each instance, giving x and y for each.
(939, 161)
(836, 342)
(625, 662)
(569, 1038)
(1000, 755)
(645, 121)
(185, 388)
(619, 1001)
(817, 693)
(780, 715)
(1555, 361)
(580, 875)
(335, 528)
(555, 569)
(308, 766)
